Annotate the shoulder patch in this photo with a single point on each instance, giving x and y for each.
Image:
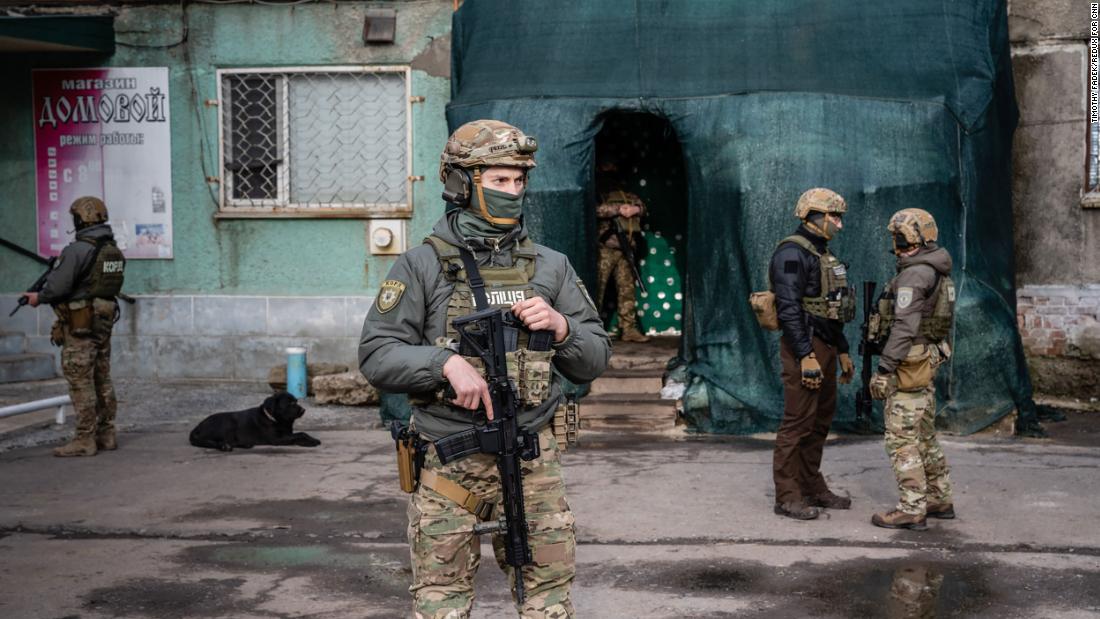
(389, 296)
(790, 266)
(587, 297)
(905, 297)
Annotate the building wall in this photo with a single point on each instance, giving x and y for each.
(1057, 238)
(237, 290)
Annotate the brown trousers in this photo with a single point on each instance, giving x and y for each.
(807, 413)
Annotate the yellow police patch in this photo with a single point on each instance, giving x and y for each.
(389, 296)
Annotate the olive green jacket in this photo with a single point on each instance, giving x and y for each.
(916, 280)
(397, 351)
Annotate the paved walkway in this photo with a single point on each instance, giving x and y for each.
(667, 527)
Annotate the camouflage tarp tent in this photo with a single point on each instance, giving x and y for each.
(894, 105)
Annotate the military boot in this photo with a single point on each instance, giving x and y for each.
(106, 440)
(797, 510)
(897, 519)
(79, 446)
(631, 334)
(828, 500)
(943, 511)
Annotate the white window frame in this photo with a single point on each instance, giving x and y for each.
(229, 208)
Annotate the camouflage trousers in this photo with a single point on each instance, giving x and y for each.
(86, 364)
(613, 262)
(446, 553)
(918, 461)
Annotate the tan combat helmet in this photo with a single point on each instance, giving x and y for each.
(482, 144)
(623, 197)
(88, 210)
(916, 226)
(819, 200)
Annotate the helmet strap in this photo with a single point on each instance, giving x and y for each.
(497, 221)
(823, 231)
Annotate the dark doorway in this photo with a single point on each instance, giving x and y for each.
(640, 154)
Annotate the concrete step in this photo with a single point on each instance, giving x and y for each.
(13, 344)
(26, 366)
(627, 412)
(627, 382)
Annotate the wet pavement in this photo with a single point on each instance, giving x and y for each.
(667, 526)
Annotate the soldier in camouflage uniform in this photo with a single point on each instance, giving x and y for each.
(628, 209)
(82, 288)
(408, 346)
(916, 309)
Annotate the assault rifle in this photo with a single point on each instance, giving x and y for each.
(628, 252)
(867, 350)
(489, 334)
(36, 286)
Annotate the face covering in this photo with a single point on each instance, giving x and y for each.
(499, 204)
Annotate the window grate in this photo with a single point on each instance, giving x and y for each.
(311, 140)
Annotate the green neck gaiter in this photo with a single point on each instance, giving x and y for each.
(499, 204)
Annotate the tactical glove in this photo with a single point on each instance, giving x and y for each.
(847, 368)
(811, 372)
(880, 386)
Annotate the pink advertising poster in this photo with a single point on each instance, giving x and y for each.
(105, 133)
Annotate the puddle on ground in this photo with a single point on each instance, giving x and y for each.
(169, 599)
(891, 589)
(382, 520)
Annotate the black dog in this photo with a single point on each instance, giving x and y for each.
(271, 423)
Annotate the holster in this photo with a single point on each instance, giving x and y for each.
(410, 455)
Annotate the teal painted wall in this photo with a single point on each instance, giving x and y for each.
(243, 256)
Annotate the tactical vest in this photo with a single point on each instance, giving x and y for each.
(837, 300)
(934, 327)
(504, 286)
(107, 269)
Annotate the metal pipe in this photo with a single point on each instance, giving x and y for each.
(29, 407)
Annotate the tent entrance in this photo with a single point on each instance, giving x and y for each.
(640, 153)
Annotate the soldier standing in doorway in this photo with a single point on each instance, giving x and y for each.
(619, 216)
(915, 316)
(813, 301)
(82, 288)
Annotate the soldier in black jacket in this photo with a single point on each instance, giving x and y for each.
(813, 301)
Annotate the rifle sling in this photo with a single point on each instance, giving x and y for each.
(468, 500)
(473, 277)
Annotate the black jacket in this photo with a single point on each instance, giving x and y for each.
(796, 273)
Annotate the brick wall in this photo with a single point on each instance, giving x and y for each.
(1059, 321)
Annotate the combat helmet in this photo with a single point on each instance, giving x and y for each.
(912, 227)
(481, 144)
(823, 201)
(819, 200)
(88, 210)
(623, 197)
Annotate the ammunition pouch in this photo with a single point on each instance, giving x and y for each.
(567, 423)
(529, 370)
(763, 307)
(918, 368)
(410, 455)
(79, 316)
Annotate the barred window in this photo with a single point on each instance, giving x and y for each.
(315, 141)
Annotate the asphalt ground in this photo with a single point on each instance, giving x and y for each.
(668, 526)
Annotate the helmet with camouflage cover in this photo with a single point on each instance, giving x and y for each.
(88, 210)
(487, 143)
(623, 197)
(916, 226)
(819, 200)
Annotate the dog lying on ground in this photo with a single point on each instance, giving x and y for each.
(271, 423)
